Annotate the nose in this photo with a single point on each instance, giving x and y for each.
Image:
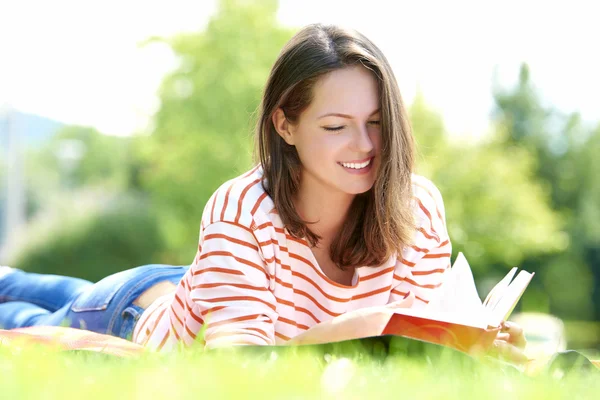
(361, 141)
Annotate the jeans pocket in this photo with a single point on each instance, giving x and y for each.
(99, 296)
(129, 318)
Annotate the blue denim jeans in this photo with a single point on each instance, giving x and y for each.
(28, 299)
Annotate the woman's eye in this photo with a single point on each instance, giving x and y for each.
(333, 128)
(375, 122)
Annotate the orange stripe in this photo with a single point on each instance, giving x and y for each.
(281, 230)
(300, 309)
(426, 212)
(293, 323)
(375, 275)
(247, 174)
(145, 320)
(238, 259)
(407, 263)
(307, 262)
(309, 313)
(241, 199)
(433, 271)
(441, 255)
(428, 236)
(151, 332)
(238, 285)
(282, 336)
(321, 307)
(284, 284)
(236, 298)
(260, 199)
(218, 269)
(190, 333)
(230, 239)
(372, 293)
(212, 210)
(437, 210)
(173, 328)
(212, 310)
(259, 331)
(420, 249)
(174, 314)
(267, 242)
(196, 317)
(225, 202)
(399, 293)
(163, 341)
(330, 297)
(177, 299)
(232, 320)
(422, 286)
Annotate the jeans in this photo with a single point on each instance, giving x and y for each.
(28, 299)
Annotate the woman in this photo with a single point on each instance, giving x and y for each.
(332, 220)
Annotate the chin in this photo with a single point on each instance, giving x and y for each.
(359, 189)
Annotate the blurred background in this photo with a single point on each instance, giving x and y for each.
(119, 120)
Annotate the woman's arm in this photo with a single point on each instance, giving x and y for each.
(230, 286)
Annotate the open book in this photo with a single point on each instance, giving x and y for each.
(456, 317)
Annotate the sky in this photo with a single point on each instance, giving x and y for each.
(80, 62)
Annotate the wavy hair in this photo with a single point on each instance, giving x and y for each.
(380, 221)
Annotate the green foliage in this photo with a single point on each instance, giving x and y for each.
(202, 133)
(567, 164)
(77, 156)
(497, 214)
(91, 237)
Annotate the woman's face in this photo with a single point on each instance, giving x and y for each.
(338, 136)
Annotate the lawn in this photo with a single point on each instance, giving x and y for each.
(351, 372)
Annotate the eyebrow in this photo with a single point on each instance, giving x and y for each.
(345, 115)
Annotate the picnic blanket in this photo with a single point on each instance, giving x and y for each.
(65, 338)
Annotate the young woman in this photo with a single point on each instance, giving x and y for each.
(331, 220)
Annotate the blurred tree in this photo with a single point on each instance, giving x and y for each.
(566, 164)
(203, 130)
(77, 156)
(497, 214)
(94, 235)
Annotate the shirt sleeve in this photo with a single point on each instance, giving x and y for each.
(230, 286)
(421, 268)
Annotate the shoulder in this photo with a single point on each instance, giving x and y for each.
(427, 197)
(239, 200)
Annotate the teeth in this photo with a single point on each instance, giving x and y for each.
(356, 165)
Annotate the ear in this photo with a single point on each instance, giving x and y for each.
(283, 126)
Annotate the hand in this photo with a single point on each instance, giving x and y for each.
(510, 343)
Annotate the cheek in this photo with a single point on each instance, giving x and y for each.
(321, 150)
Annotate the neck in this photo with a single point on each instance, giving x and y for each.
(325, 208)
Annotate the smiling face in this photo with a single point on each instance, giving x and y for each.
(338, 137)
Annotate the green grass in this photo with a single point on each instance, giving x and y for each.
(40, 373)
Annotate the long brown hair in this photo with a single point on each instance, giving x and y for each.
(380, 222)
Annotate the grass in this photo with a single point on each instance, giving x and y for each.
(41, 373)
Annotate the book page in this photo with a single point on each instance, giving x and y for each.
(457, 299)
(509, 299)
(498, 290)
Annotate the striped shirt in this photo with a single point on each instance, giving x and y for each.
(251, 282)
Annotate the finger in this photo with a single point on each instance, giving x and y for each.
(503, 336)
(509, 352)
(406, 302)
(517, 337)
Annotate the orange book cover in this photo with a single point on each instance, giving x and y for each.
(468, 339)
